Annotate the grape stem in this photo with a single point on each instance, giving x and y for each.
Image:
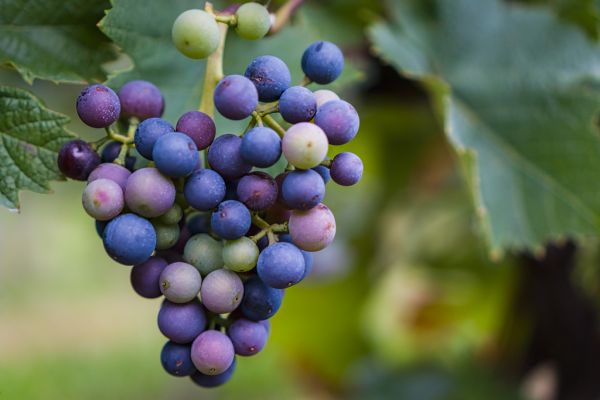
(98, 143)
(283, 15)
(133, 124)
(326, 163)
(305, 81)
(257, 118)
(268, 120)
(117, 137)
(267, 229)
(268, 108)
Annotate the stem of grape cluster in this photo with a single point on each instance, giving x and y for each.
(267, 229)
(270, 121)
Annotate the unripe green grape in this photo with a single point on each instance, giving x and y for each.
(173, 216)
(240, 255)
(166, 235)
(195, 34)
(253, 21)
(204, 253)
(304, 145)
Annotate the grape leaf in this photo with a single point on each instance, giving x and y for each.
(30, 137)
(517, 91)
(54, 40)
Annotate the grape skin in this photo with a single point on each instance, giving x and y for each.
(129, 239)
(141, 99)
(198, 126)
(302, 190)
(231, 220)
(304, 145)
(98, 106)
(149, 193)
(176, 359)
(204, 253)
(346, 169)
(204, 189)
(339, 120)
(322, 62)
(258, 191)
(195, 34)
(148, 132)
(312, 230)
(175, 155)
(181, 323)
(240, 255)
(222, 291)
(248, 337)
(270, 75)
(210, 381)
(111, 171)
(280, 265)
(260, 301)
(261, 147)
(225, 158)
(145, 277)
(253, 21)
(235, 97)
(77, 159)
(102, 199)
(297, 104)
(180, 282)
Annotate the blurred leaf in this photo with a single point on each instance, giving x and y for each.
(31, 136)
(583, 13)
(54, 40)
(514, 89)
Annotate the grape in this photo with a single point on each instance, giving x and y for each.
(339, 120)
(204, 253)
(346, 169)
(324, 172)
(167, 235)
(248, 337)
(308, 257)
(235, 97)
(261, 147)
(204, 189)
(212, 352)
(312, 230)
(195, 33)
(103, 199)
(77, 159)
(253, 21)
(303, 190)
(231, 220)
(98, 106)
(280, 265)
(148, 132)
(297, 104)
(181, 323)
(240, 255)
(180, 282)
(141, 99)
(173, 216)
(100, 226)
(257, 190)
(231, 189)
(278, 214)
(199, 126)
(149, 193)
(225, 158)
(198, 223)
(304, 145)
(260, 301)
(270, 75)
(175, 155)
(111, 151)
(145, 277)
(129, 239)
(176, 359)
(322, 62)
(210, 381)
(222, 291)
(323, 96)
(111, 171)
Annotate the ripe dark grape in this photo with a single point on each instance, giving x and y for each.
(176, 359)
(148, 132)
(260, 301)
(297, 104)
(248, 337)
(204, 189)
(141, 99)
(210, 381)
(222, 291)
(77, 159)
(339, 120)
(129, 239)
(145, 277)
(175, 155)
(314, 229)
(180, 282)
(199, 126)
(322, 62)
(111, 151)
(235, 97)
(149, 193)
(303, 190)
(308, 256)
(181, 323)
(346, 169)
(261, 147)
(98, 106)
(324, 172)
(198, 223)
(212, 352)
(280, 265)
(258, 191)
(103, 199)
(113, 172)
(231, 220)
(224, 156)
(270, 75)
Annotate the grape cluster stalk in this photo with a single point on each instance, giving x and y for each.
(216, 235)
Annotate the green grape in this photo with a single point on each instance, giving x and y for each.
(173, 216)
(253, 21)
(195, 34)
(166, 235)
(240, 255)
(204, 253)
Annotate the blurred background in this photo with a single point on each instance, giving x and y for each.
(406, 304)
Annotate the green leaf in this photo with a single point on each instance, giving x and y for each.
(517, 91)
(54, 40)
(30, 137)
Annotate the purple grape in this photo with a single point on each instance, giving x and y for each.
(258, 191)
(324, 172)
(176, 359)
(181, 323)
(270, 75)
(346, 169)
(297, 104)
(308, 257)
(210, 381)
(235, 97)
(102, 199)
(322, 62)
(212, 352)
(149, 193)
(111, 151)
(77, 159)
(303, 190)
(180, 282)
(145, 277)
(198, 223)
(98, 106)
(312, 230)
(204, 189)
(175, 155)
(222, 291)
(141, 99)
(199, 126)
(129, 239)
(113, 172)
(339, 120)
(231, 220)
(148, 132)
(260, 301)
(261, 147)
(280, 265)
(225, 158)
(248, 337)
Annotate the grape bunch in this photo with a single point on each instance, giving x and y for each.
(218, 236)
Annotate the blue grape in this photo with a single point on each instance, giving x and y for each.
(302, 190)
(261, 147)
(181, 323)
(210, 381)
(175, 155)
(145, 277)
(100, 226)
(141, 99)
(231, 189)
(339, 120)
(346, 169)
(260, 301)
(225, 158)
(235, 97)
(248, 337)
(258, 191)
(324, 172)
(129, 239)
(270, 75)
(148, 132)
(176, 359)
(308, 257)
(281, 265)
(198, 223)
(231, 220)
(322, 62)
(204, 189)
(98, 106)
(297, 104)
(111, 151)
